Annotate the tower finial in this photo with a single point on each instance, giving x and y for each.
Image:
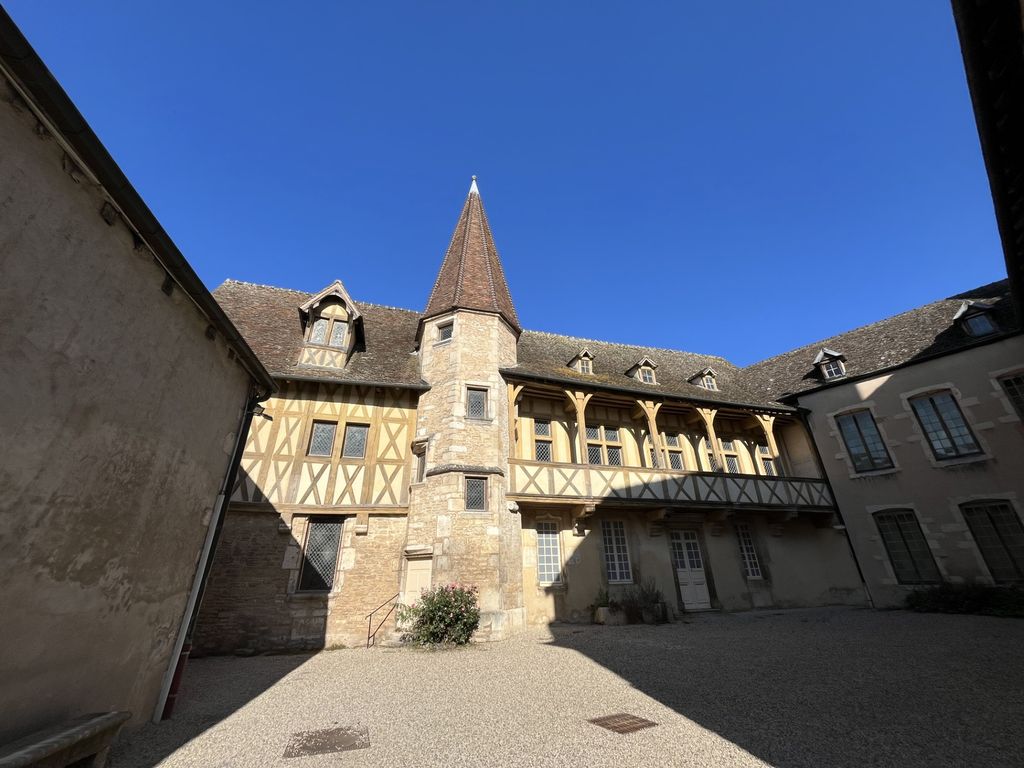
(473, 188)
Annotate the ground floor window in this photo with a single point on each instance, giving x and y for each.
(549, 555)
(909, 553)
(616, 552)
(320, 555)
(999, 535)
(748, 554)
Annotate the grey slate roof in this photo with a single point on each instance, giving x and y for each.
(269, 321)
(915, 335)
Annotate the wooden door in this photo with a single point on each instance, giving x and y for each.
(689, 565)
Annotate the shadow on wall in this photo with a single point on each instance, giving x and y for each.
(148, 745)
(838, 687)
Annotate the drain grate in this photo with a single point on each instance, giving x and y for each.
(622, 722)
(330, 740)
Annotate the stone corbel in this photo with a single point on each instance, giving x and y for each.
(580, 514)
(656, 521)
(362, 523)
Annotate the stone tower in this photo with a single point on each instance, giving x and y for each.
(460, 523)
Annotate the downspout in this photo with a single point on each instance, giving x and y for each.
(183, 641)
(846, 531)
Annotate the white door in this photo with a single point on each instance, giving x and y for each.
(689, 565)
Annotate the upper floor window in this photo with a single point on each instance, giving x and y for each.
(731, 456)
(944, 426)
(833, 369)
(445, 330)
(707, 379)
(909, 553)
(604, 446)
(476, 494)
(1013, 386)
(997, 531)
(674, 445)
(321, 438)
(979, 325)
(864, 444)
(320, 555)
(476, 403)
(541, 440)
(646, 374)
(354, 446)
(585, 365)
(419, 452)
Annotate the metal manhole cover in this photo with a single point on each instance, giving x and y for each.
(622, 723)
(324, 742)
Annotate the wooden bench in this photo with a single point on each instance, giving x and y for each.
(83, 743)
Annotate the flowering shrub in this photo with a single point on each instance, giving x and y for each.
(445, 614)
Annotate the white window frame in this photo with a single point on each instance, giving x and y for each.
(646, 375)
(553, 529)
(833, 368)
(615, 545)
(751, 563)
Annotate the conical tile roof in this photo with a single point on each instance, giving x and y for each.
(471, 276)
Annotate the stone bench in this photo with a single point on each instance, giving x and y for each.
(83, 742)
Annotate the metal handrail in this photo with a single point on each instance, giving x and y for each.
(371, 634)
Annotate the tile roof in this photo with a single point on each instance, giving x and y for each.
(546, 355)
(269, 321)
(471, 276)
(915, 335)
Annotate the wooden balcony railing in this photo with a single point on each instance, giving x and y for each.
(540, 480)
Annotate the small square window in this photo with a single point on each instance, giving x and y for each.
(671, 440)
(593, 433)
(476, 403)
(585, 365)
(321, 440)
(542, 450)
(833, 369)
(614, 456)
(444, 331)
(728, 445)
(675, 460)
(710, 383)
(979, 325)
(769, 467)
(732, 464)
(647, 374)
(763, 450)
(611, 434)
(476, 494)
(542, 427)
(355, 441)
(594, 454)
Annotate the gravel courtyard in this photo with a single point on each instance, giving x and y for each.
(826, 687)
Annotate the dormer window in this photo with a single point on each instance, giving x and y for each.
(707, 379)
(833, 369)
(647, 374)
(583, 362)
(643, 371)
(975, 317)
(328, 326)
(830, 364)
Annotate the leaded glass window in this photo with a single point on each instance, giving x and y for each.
(732, 464)
(909, 553)
(355, 441)
(611, 434)
(593, 433)
(616, 552)
(594, 454)
(999, 535)
(338, 333)
(321, 440)
(614, 456)
(320, 555)
(769, 466)
(863, 441)
(1013, 386)
(542, 427)
(748, 554)
(672, 440)
(476, 403)
(944, 426)
(476, 494)
(675, 460)
(549, 556)
(319, 333)
(444, 331)
(542, 450)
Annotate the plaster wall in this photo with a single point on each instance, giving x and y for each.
(118, 420)
(932, 489)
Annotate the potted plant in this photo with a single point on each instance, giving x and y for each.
(652, 603)
(600, 607)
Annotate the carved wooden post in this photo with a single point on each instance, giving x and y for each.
(767, 423)
(708, 416)
(578, 401)
(514, 391)
(650, 409)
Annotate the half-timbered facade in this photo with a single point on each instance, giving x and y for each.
(406, 449)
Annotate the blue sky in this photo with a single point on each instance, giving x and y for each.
(673, 174)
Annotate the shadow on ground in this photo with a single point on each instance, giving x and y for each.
(250, 677)
(824, 688)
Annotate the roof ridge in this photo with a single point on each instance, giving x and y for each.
(313, 293)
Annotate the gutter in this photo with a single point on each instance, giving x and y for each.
(183, 642)
(38, 88)
(422, 387)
